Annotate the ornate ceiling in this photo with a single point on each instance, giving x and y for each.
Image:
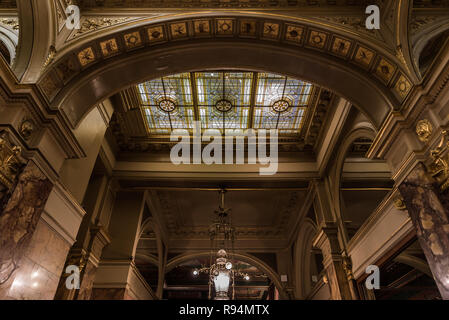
(147, 113)
(113, 30)
(221, 3)
(101, 18)
(257, 214)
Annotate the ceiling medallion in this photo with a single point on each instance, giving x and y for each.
(281, 106)
(167, 105)
(223, 105)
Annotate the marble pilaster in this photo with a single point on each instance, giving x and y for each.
(428, 208)
(99, 239)
(18, 223)
(334, 264)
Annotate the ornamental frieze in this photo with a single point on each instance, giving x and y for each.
(294, 35)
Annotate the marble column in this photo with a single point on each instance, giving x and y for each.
(334, 264)
(75, 257)
(428, 207)
(87, 259)
(99, 239)
(18, 222)
(92, 237)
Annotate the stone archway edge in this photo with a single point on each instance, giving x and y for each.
(338, 54)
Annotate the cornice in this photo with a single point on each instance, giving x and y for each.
(427, 94)
(30, 97)
(333, 23)
(72, 65)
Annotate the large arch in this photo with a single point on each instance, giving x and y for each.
(237, 255)
(99, 83)
(161, 252)
(36, 36)
(303, 248)
(10, 39)
(88, 82)
(362, 130)
(424, 36)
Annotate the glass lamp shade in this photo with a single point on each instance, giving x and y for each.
(222, 281)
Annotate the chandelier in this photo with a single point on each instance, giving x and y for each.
(222, 272)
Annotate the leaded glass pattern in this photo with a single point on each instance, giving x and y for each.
(154, 93)
(225, 99)
(216, 87)
(275, 90)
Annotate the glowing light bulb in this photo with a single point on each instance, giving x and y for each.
(229, 265)
(195, 272)
(247, 277)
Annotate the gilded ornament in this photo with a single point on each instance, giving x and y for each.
(341, 47)
(347, 267)
(51, 56)
(10, 162)
(403, 86)
(424, 130)
(399, 203)
(364, 56)
(439, 166)
(27, 128)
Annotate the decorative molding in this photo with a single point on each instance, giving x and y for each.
(11, 163)
(89, 24)
(355, 23)
(399, 203)
(226, 4)
(291, 34)
(424, 129)
(27, 128)
(63, 213)
(278, 230)
(10, 22)
(439, 166)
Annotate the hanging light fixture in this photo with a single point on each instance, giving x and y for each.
(222, 272)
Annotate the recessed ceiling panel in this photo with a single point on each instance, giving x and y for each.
(167, 103)
(281, 103)
(225, 100)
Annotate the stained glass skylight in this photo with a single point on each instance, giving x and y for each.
(167, 103)
(280, 102)
(225, 99)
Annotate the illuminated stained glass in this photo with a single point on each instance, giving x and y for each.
(281, 103)
(172, 93)
(224, 99)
